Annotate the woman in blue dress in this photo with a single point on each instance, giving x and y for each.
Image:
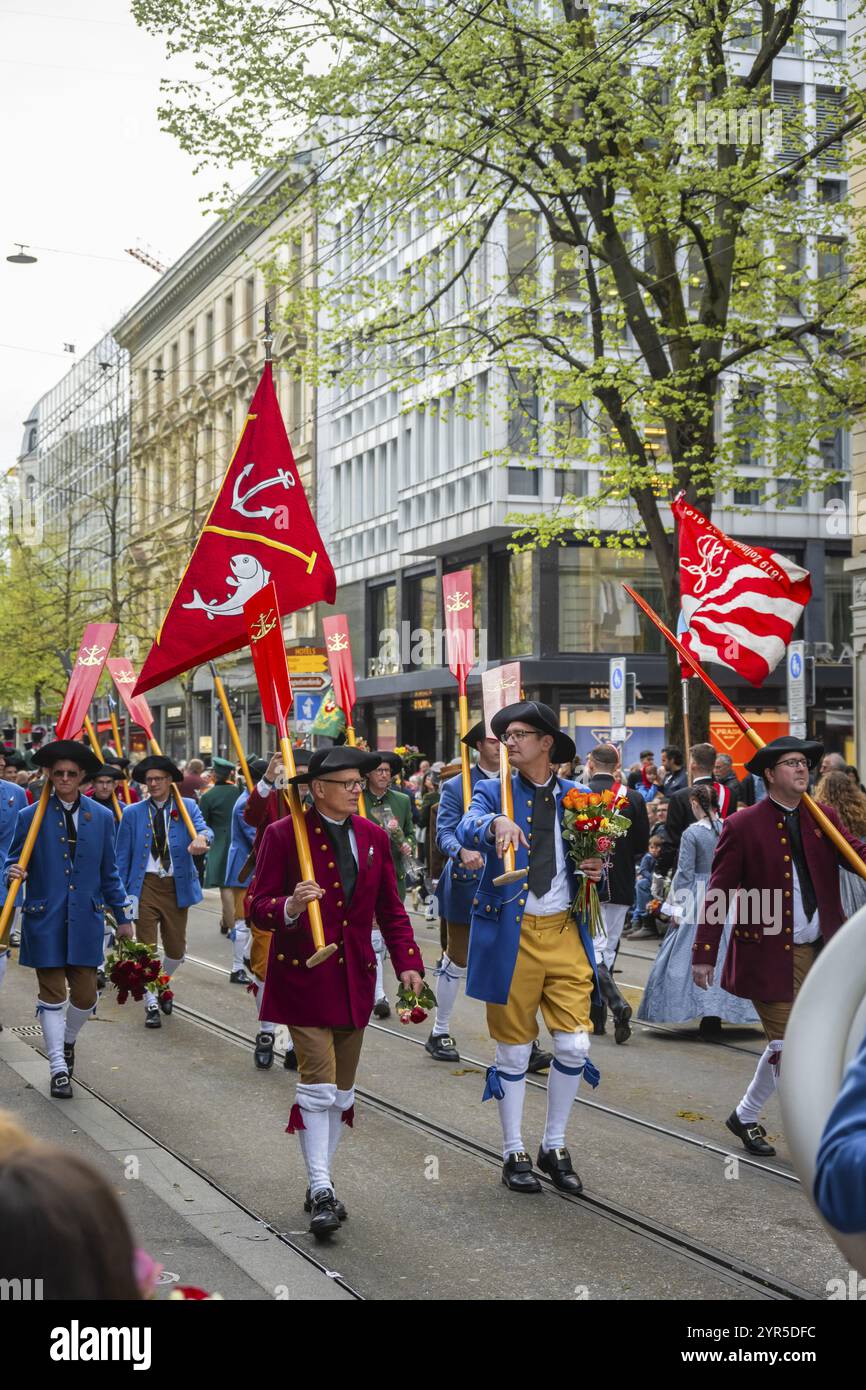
(670, 995)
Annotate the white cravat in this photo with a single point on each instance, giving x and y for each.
(67, 806)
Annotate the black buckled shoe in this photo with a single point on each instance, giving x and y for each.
(69, 1058)
(290, 1059)
(61, 1086)
(381, 1009)
(539, 1060)
(754, 1136)
(166, 1004)
(264, 1053)
(517, 1173)
(556, 1163)
(338, 1206)
(441, 1048)
(151, 1016)
(324, 1221)
(239, 977)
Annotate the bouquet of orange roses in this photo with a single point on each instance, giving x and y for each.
(591, 823)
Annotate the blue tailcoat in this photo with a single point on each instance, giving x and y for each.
(457, 884)
(12, 800)
(62, 919)
(134, 838)
(497, 913)
(243, 836)
(840, 1168)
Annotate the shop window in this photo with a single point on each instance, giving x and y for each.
(595, 612)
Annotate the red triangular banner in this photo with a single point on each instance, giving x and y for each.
(260, 528)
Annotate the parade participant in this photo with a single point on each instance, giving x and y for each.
(120, 760)
(840, 1167)
(71, 878)
(13, 798)
(216, 805)
(776, 848)
(618, 895)
(393, 811)
(38, 735)
(239, 871)
(327, 1007)
(192, 784)
(701, 769)
(526, 949)
(267, 803)
(723, 771)
(155, 857)
(456, 889)
(674, 773)
(104, 785)
(837, 790)
(670, 995)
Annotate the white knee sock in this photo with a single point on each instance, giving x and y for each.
(345, 1100)
(314, 1102)
(240, 941)
(52, 1018)
(570, 1053)
(506, 1080)
(169, 964)
(75, 1021)
(762, 1086)
(448, 983)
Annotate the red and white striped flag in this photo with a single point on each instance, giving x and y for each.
(740, 602)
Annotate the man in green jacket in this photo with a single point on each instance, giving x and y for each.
(217, 804)
(393, 811)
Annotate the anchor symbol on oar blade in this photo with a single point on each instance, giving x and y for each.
(283, 479)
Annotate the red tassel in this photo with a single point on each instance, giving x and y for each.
(296, 1119)
(348, 1117)
(253, 990)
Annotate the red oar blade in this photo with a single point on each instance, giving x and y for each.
(86, 673)
(265, 631)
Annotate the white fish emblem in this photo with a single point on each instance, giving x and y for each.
(247, 578)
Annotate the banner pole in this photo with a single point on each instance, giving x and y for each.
(465, 765)
(302, 842)
(754, 738)
(350, 739)
(687, 735)
(118, 748)
(23, 861)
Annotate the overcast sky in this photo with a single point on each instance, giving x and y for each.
(85, 170)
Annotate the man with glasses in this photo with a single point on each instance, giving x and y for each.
(70, 880)
(156, 858)
(777, 872)
(526, 948)
(328, 1006)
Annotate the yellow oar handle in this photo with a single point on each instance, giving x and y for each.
(23, 860)
(305, 859)
(465, 767)
(175, 789)
(232, 728)
(97, 753)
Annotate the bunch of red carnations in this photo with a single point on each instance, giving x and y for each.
(134, 968)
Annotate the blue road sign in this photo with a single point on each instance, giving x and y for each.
(307, 708)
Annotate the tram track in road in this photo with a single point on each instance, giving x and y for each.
(721, 1263)
(706, 1145)
(267, 1225)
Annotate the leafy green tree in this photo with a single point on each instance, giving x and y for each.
(609, 203)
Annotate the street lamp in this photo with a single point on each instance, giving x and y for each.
(21, 257)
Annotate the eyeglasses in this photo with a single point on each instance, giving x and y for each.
(520, 735)
(793, 762)
(354, 786)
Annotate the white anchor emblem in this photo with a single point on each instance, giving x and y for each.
(283, 479)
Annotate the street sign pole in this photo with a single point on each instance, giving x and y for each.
(797, 721)
(618, 687)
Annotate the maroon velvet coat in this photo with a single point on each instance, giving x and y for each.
(753, 852)
(339, 993)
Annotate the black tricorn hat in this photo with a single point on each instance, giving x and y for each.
(156, 762)
(475, 734)
(394, 761)
(111, 770)
(258, 767)
(70, 749)
(327, 760)
(537, 716)
(118, 759)
(769, 755)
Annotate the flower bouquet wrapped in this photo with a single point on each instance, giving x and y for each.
(591, 824)
(412, 1007)
(133, 968)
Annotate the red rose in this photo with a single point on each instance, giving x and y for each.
(418, 1014)
(405, 1016)
(603, 844)
(122, 996)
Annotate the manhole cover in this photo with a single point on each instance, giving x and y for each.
(29, 1030)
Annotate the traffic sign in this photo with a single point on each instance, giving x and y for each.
(617, 699)
(797, 689)
(306, 659)
(309, 680)
(306, 709)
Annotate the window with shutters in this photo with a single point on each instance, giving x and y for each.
(830, 115)
(788, 99)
